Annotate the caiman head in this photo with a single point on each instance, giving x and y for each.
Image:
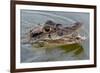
(52, 30)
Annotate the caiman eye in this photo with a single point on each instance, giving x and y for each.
(47, 28)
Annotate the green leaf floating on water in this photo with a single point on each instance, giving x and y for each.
(78, 51)
(75, 48)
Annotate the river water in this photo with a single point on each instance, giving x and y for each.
(30, 18)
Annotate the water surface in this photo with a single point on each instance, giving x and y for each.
(30, 18)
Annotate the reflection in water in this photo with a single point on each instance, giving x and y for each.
(38, 53)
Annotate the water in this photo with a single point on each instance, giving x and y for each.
(30, 18)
